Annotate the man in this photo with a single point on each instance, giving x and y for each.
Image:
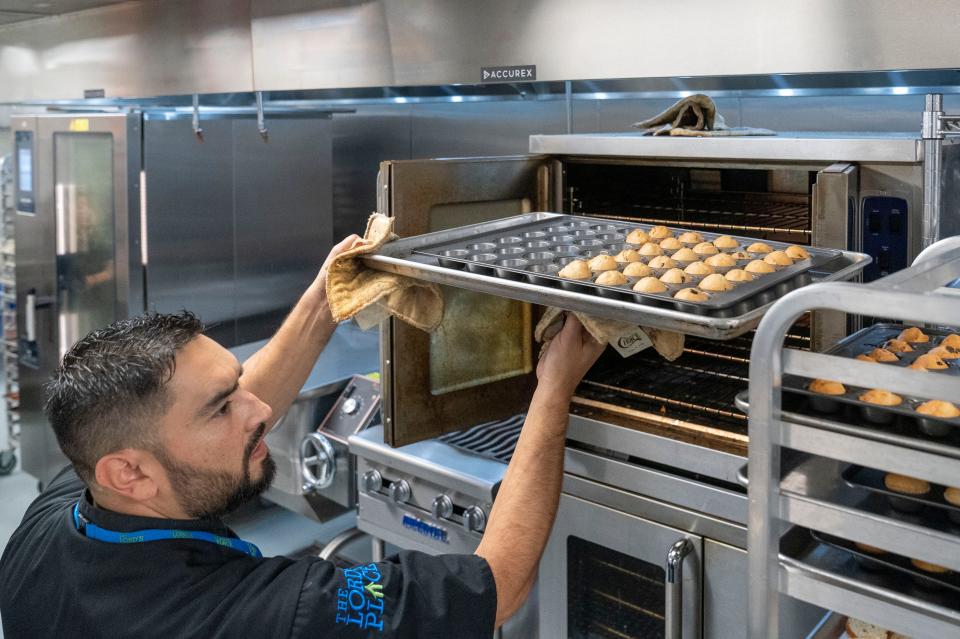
(165, 431)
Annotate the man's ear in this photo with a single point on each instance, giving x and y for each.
(129, 473)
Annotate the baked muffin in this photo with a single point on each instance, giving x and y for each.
(705, 248)
(602, 263)
(928, 567)
(650, 285)
(883, 355)
(938, 408)
(759, 267)
(698, 268)
(740, 255)
(726, 242)
(826, 387)
(637, 269)
(778, 258)
(685, 255)
(691, 295)
(863, 357)
(930, 362)
(739, 275)
(658, 233)
(906, 485)
(715, 283)
(674, 276)
(881, 397)
(759, 248)
(662, 261)
(638, 237)
(670, 244)
(650, 250)
(952, 495)
(873, 550)
(576, 270)
(952, 340)
(858, 629)
(627, 255)
(917, 367)
(945, 352)
(690, 237)
(720, 260)
(611, 278)
(913, 335)
(898, 346)
(795, 252)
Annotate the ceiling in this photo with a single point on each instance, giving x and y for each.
(20, 10)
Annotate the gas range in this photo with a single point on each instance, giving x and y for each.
(434, 495)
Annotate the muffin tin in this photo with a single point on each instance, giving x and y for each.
(896, 565)
(865, 341)
(872, 480)
(536, 251)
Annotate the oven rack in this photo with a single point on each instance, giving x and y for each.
(403, 257)
(792, 495)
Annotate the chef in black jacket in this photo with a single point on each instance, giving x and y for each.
(165, 432)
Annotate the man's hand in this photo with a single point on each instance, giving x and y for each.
(318, 290)
(567, 358)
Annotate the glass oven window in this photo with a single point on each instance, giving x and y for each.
(612, 595)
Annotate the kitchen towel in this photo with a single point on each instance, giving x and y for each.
(667, 343)
(694, 116)
(370, 296)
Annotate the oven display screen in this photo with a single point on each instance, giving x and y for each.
(25, 197)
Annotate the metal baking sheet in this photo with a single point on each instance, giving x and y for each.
(402, 257)
(872, 479)
(911, 439)
(895, 563)
(536, 250)
(865, 341)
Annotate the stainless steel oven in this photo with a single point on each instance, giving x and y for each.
(654, 448)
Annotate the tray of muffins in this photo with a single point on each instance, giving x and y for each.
(931, 578)
(905, 494)
(934, 351)
(685, 269)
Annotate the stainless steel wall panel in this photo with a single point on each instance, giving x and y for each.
(283, 218)
(154, 47)
(361, 141)
(834, 113)
(190, 221)
(482, 128)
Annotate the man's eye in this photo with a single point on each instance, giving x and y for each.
(223, 410)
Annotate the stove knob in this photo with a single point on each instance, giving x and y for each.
(400, 491)
(371, 481)
(442, 507)
(350, 406)
(474, 519)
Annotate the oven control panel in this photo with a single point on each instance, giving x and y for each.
(885, 235)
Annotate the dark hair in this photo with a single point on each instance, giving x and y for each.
(110, 388)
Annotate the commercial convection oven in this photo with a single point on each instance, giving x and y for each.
(650, 537)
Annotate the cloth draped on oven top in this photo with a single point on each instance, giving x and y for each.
(694, 116)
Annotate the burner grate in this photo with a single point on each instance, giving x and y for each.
(495, 440)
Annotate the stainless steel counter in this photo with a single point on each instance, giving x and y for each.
(787, 145)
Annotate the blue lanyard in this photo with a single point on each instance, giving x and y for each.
(94, 531)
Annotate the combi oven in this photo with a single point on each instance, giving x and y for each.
(650, 538)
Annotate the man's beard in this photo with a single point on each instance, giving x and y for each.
(210, 493)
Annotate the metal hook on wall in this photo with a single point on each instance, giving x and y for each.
(261, 123)
(197, 131)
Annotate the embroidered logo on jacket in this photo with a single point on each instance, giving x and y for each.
(361, 602)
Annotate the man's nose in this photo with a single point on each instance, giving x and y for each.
(258, 411)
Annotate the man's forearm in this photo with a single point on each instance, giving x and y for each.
(277, 371)
(526, 504)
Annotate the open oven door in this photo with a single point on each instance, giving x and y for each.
(479, 365)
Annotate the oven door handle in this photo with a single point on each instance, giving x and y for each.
(673, 613)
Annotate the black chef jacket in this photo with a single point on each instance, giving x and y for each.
(56, 582)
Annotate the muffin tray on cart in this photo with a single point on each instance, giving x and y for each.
(865, 341)
(872, 480)
(520, 257)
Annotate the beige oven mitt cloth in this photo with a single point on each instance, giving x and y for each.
(694, 116)
(613, 332)
(370, 296)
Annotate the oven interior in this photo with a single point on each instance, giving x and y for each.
(691, 398)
